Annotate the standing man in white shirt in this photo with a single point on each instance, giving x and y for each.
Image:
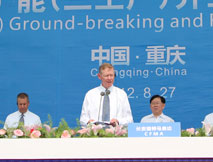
(157, 104)
(23, 115)
(93, 109)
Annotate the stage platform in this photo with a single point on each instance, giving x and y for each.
(107, 148)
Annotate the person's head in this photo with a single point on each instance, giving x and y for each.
(157, 104)
(23, 102)
(106, 75)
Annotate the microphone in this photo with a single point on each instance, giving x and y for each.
(102, 94)
(107, 92)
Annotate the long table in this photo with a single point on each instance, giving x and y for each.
(107, 148)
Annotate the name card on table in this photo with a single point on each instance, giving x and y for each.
(154, 129)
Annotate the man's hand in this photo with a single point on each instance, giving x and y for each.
(114, 122)
(91, 120)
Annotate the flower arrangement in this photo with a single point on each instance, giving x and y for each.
(47, 130)
(93, 130)
(206, 130)
(2, 133)
(192, 132)
(62, 131)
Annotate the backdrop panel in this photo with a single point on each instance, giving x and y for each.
(52, 50)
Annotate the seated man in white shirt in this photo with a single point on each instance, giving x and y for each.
(208, 119)
(94, 107)
(157, 104)
(23, 115)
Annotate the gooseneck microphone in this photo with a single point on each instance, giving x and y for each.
(102, 94)
(107, 92)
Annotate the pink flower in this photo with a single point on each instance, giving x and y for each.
(110, 130)
(65, 134)
(83, 131)
(31, 128)
(35, 134)
(123, 131)
(18, 132)
(96, 128)
(191, 131)
(47, 127)
(2, 132)
(36, 127)
(27, 128)
(72, 132)
(119, 131)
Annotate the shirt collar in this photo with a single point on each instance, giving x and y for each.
(160, 116)
(104, 89)
(24, 113)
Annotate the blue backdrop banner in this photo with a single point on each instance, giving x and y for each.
(52, 50)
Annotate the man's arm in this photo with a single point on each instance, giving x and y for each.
(84, 118)
(6, 124)
(126, 113)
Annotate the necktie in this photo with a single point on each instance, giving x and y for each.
(21, 120)
(106, 108)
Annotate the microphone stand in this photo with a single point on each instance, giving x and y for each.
(105, 125)
(102, 94)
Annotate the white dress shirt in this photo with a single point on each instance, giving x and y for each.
(30, 120)
(209, 119)
(93, 104)
(160, 119)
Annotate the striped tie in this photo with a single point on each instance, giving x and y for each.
(21, 120)
(106, 108)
